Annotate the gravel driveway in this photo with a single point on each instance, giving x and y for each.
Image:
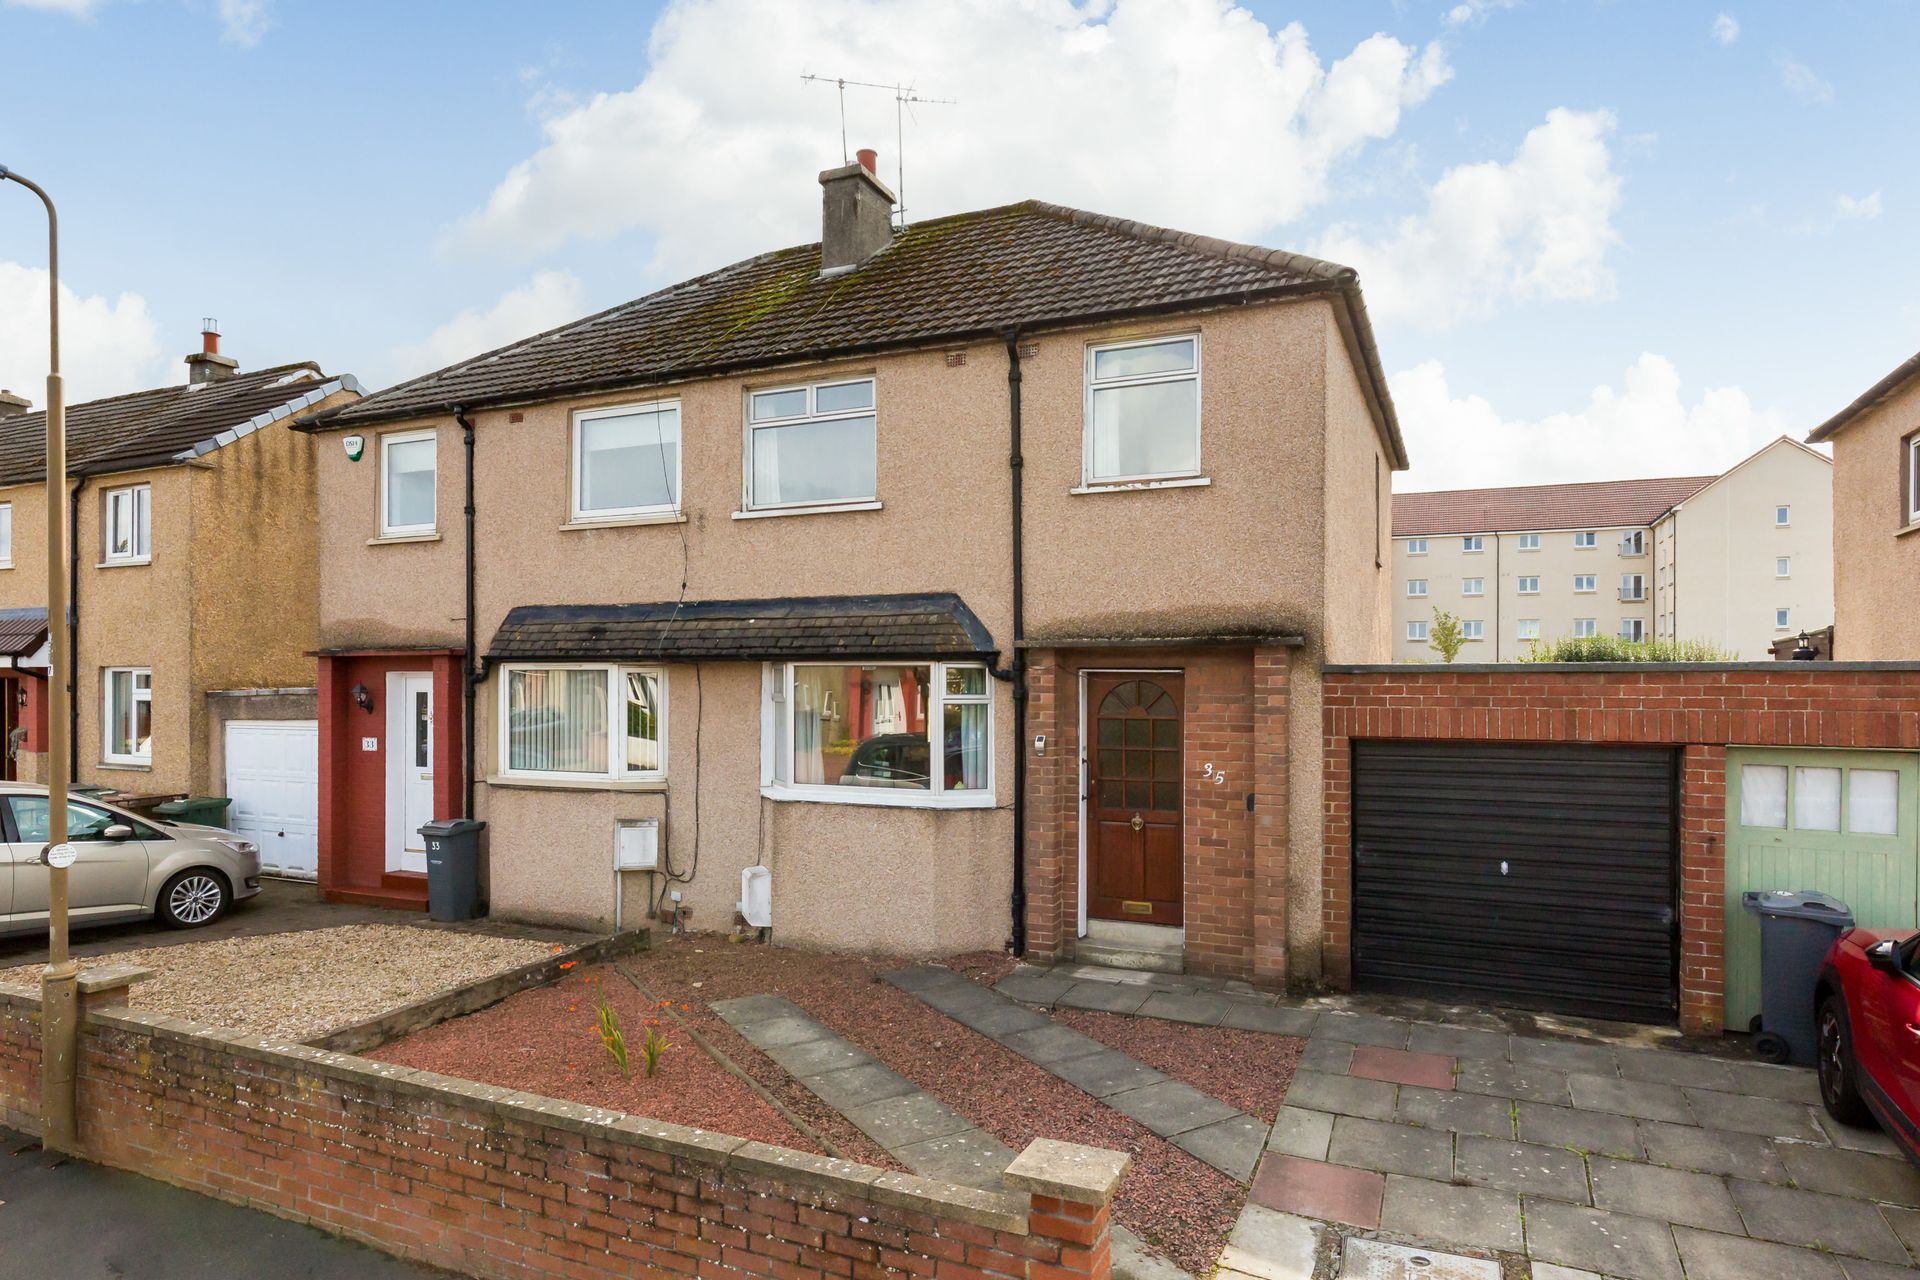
(298, 986)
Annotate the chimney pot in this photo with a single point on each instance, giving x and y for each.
(868, 158)
(207, 364)
(856, 213)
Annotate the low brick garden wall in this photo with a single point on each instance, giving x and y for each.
(503, 1184)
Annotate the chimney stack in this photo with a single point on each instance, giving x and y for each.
(207, 364)
(856, 214)
(12, 405)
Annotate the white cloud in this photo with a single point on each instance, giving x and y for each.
(107, 346)
(1802, 82)
(243, 22)
(1848, 208)
(1726, 28)
(1537, 226)
(76, 8)
(1187, 112)
(1473, 12)
(1643, 428)
(550, 298)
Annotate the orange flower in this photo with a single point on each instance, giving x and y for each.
(567, 964)
(558, 948)
(685, 1008)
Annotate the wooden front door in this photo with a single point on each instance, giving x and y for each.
(1133, 801)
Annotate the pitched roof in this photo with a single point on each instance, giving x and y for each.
(22, 631)
(963, 277)
(164, 425)
(1599, 504)
(1872, 396)
(863, 628)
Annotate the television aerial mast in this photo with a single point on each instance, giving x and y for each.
(904, 99)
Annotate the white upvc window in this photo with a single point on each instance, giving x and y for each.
(1783, 566)
(1143, 411)
(1527, 629)
(1586, 538)
(1416, 546)
(1529, 542)
(1473, 586)
(1584, 627)
(1586, 582)
(1417, 632)
(626, 462)
(1633, 629)
(1416, 588)
(885, 733)
(1633, 542)
(409, 495)
(1529, 585)
(1472, 543)
(1633, 586)
(1782, 619)
(1782, 517)
(6, 535)
(1913, 480)
(583, 721)
(1473, 629)
(811, 446)
(127, 693)
(129, 524)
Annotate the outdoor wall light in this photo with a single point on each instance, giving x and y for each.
(20, 696)
(362, 698)
(1804, 651)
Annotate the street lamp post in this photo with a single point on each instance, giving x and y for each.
(59, 994)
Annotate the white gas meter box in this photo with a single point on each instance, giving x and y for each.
(756, 897)
(636, 845)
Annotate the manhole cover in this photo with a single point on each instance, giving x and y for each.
(1376, 1260)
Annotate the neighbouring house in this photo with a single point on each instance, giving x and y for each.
(192, 513)
(1876, 481)
(1740, 559)
(987, 561)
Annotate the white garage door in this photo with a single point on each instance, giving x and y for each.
(273, 775)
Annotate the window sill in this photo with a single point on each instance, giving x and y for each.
(881, 797)
(127, 766)
(1134, 486)
(824, 509)
(1903, 532)
(133, 563)
(625, 522)
(509, 783)
(390, 539)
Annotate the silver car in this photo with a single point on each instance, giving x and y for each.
(127, 868)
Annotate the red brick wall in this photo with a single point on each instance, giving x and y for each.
(1701, 710)
(438, 1170)
(33, 717)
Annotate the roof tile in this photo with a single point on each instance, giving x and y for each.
(1601, 504)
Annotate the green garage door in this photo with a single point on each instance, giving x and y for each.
(1842, 822)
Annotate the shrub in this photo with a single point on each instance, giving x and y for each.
(1445, 636)
(611, 1034)
(1616, 649)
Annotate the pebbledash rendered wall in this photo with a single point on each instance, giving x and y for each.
(510, 1186)
(1699, 709)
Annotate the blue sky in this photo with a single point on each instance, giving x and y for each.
(1600, 238)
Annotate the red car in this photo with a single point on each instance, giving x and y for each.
(1867, 1009)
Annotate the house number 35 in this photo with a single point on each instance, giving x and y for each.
(1209, 774)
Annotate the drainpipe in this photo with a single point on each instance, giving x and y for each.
(73, 631)
(468, 665)
(1015, 465)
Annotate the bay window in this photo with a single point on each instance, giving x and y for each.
(583, 722)
(811, 446)
(883, 733)
(1143, 411)
(626, 462)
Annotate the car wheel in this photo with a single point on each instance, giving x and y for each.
(194, 898)
(1835, 1066)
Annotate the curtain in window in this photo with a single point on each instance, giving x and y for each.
(965, 736)
(556, 721)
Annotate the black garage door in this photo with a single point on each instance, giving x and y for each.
(1541, 877)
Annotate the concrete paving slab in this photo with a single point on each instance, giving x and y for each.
(1051, 1043)
(1675, 1195)
(1505, 1080)
(909, 1118)
(1641, 1099)
(1709, 1255)
(972, 1159)
(921, 978)
(1300, 1132)
(1331, 1056)
(1593, 1132)
(1269, 1245)
(1522, 1167)
(996, 1018)
(1613, 1244)
(1392, 1148)
(1456, 1112)
(1463, 1043)
(1817, 1221)
(1315, 1190)
(778, 1032)
(1104, 997)
(1343, 1095)
(1906, 1225)
(1685, 1146)
(1553, 1271)
(1280, 1020)
(1134, 1260)
(1399, 1066)
(1197, 1007)
(1785, 1084)
(743, 1011)
(1564, 1055)
(1861, 1269)
(1033, 986)
(1167, 1107)
(1363, 1028)
(1233, 1146)
(1743, 1114)
(1852, 1173)
(1674, 1066)
(858, 1086)
(1851, 1139)
(1456, 1217)
(816, 1057)
(1106, 1072)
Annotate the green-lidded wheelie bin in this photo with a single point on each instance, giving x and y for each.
(205, 811)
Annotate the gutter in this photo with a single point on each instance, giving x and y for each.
(73, 630)
(469, 669)
(1016, 466)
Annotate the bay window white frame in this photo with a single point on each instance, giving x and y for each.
(577, 510)
(110, 715)
(1088, 480)
(386, 528)
(864, 502)
(132, 503)
(616, 770)
(777, 728)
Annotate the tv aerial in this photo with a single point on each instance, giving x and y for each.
(905, 98)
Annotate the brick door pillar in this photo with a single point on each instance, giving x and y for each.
(1271, 759)
(1052, 868)
(1703, 889)
(332, 817)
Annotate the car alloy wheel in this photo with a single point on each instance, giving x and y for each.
(195, 899)
(1833, 1057)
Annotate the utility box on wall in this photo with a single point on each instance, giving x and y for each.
(636, 845)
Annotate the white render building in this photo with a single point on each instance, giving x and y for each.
(1739, 559)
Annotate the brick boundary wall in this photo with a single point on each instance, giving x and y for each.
(501, 1184)
(1700, 709)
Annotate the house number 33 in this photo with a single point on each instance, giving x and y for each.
(1209, 774)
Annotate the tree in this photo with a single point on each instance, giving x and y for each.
(1445, 637)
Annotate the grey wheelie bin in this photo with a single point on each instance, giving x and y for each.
(453, 868)
(1796, 930)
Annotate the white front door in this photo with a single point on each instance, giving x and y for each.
(273, 776)
(409, 768)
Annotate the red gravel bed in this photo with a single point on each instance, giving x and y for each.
(1248, 1070)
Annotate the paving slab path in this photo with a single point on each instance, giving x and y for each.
(1204, 1127)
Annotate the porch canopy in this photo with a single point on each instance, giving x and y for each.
(23, 638)
(929, 627)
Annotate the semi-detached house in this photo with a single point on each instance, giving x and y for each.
(915, 565)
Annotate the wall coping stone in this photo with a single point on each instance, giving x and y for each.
(110, 977)
(1068, 1171)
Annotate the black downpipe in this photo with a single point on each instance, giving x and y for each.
(73, 631)
(1016, 465)
(468, 661)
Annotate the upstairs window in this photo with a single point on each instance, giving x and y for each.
(1417, 632)
(1473, 542)
(1143, 411)
(1585, 582)
(1529, 586)
(626, 462)
(407, 486)
(1633, 543)
(1913, 479)
(1473, 586)
(1527, 629)
(1416, 587)
(6, 535)
(1473, 629)
(1416, 546)
(1529, 542)
(1782, 517)
(1781, 619)
(129, 524)
(1634, 629)
(1584, 627)
(1586, 538)
(1633, 586)
(1783, 566)
(811, 446)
